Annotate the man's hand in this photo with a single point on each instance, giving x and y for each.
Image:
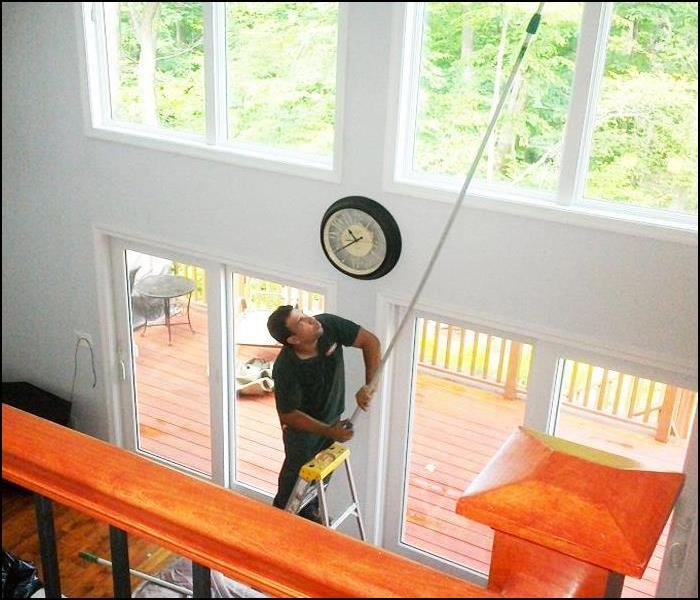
(364, 397)
(371, 353)
(339, 431)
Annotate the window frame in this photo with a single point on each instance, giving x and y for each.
(214, 144)
(391, 420)
(326, 288)
(569, 203)
(110, 245)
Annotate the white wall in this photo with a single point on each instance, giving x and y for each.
(633, 294)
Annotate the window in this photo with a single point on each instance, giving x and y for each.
(281, 74)
(193, 380)
(602, 116)
(469, 393)
(642, 419)
(155, 59)
(257, 444)
(168, 336)
(245, 79)
(468, 50)
(465, 391)
(645, 138)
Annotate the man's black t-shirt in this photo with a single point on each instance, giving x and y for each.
(315, 386)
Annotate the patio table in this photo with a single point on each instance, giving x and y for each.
(166, 287)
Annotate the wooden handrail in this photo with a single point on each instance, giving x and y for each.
(244, 539)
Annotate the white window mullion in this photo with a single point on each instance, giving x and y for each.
(219, 380)
(341, 70)
(229, 363)
(99, 67)
(410, 81)
(588, 74)
(215, 71)
(541, 383)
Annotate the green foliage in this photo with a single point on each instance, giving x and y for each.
(645, 140)
(458, 79)
(645, 144)
(179, 68)
(282, 71)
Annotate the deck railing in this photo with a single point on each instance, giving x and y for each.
(258, 294)
(505, 364)
(665, 409)
(491, 359)
(196, 274)
(264, 547)
(498, 361)
(252, 293)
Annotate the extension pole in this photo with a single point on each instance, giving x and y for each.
(531, 30)
(161, 582)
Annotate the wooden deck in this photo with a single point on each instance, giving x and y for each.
(457, 429)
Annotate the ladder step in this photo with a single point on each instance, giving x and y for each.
(350, 510)
(310, 484)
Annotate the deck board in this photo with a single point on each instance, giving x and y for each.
(456, 430)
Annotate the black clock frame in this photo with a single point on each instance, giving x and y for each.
(386, 222)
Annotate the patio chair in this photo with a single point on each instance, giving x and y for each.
(142, 307)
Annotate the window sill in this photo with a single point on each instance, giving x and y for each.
(244, 155)
(544, 208)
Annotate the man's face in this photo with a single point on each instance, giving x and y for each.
(305, 329)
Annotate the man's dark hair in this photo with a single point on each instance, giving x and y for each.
(277, 323)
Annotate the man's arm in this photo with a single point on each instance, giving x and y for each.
(300, 420)
(371, 353)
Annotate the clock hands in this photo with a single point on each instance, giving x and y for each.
(355, 240)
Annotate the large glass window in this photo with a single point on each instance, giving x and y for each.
(642, 419)
(645, 141)
(156, 63)
(469, 394)
(249, 79)
(603, 113)
(467, 53)
(170, 349)
(281, 74)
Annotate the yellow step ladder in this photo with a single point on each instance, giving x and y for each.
(310, 484)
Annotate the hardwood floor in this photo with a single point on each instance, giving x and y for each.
(75, 532)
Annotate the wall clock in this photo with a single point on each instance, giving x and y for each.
(360, 237)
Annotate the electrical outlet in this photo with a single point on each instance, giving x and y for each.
(82, 334)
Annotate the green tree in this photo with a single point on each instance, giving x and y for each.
(645, 139)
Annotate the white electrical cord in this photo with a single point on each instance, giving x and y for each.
(531, 30)
(75, 364)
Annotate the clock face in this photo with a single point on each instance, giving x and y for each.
(354, 241)
(360, 237)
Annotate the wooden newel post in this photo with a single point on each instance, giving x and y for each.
(569, 521)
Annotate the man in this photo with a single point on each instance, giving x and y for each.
(310, 387)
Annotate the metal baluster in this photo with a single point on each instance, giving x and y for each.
(119, 549)
(47, 546)
(201, 581)
(614, 585)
